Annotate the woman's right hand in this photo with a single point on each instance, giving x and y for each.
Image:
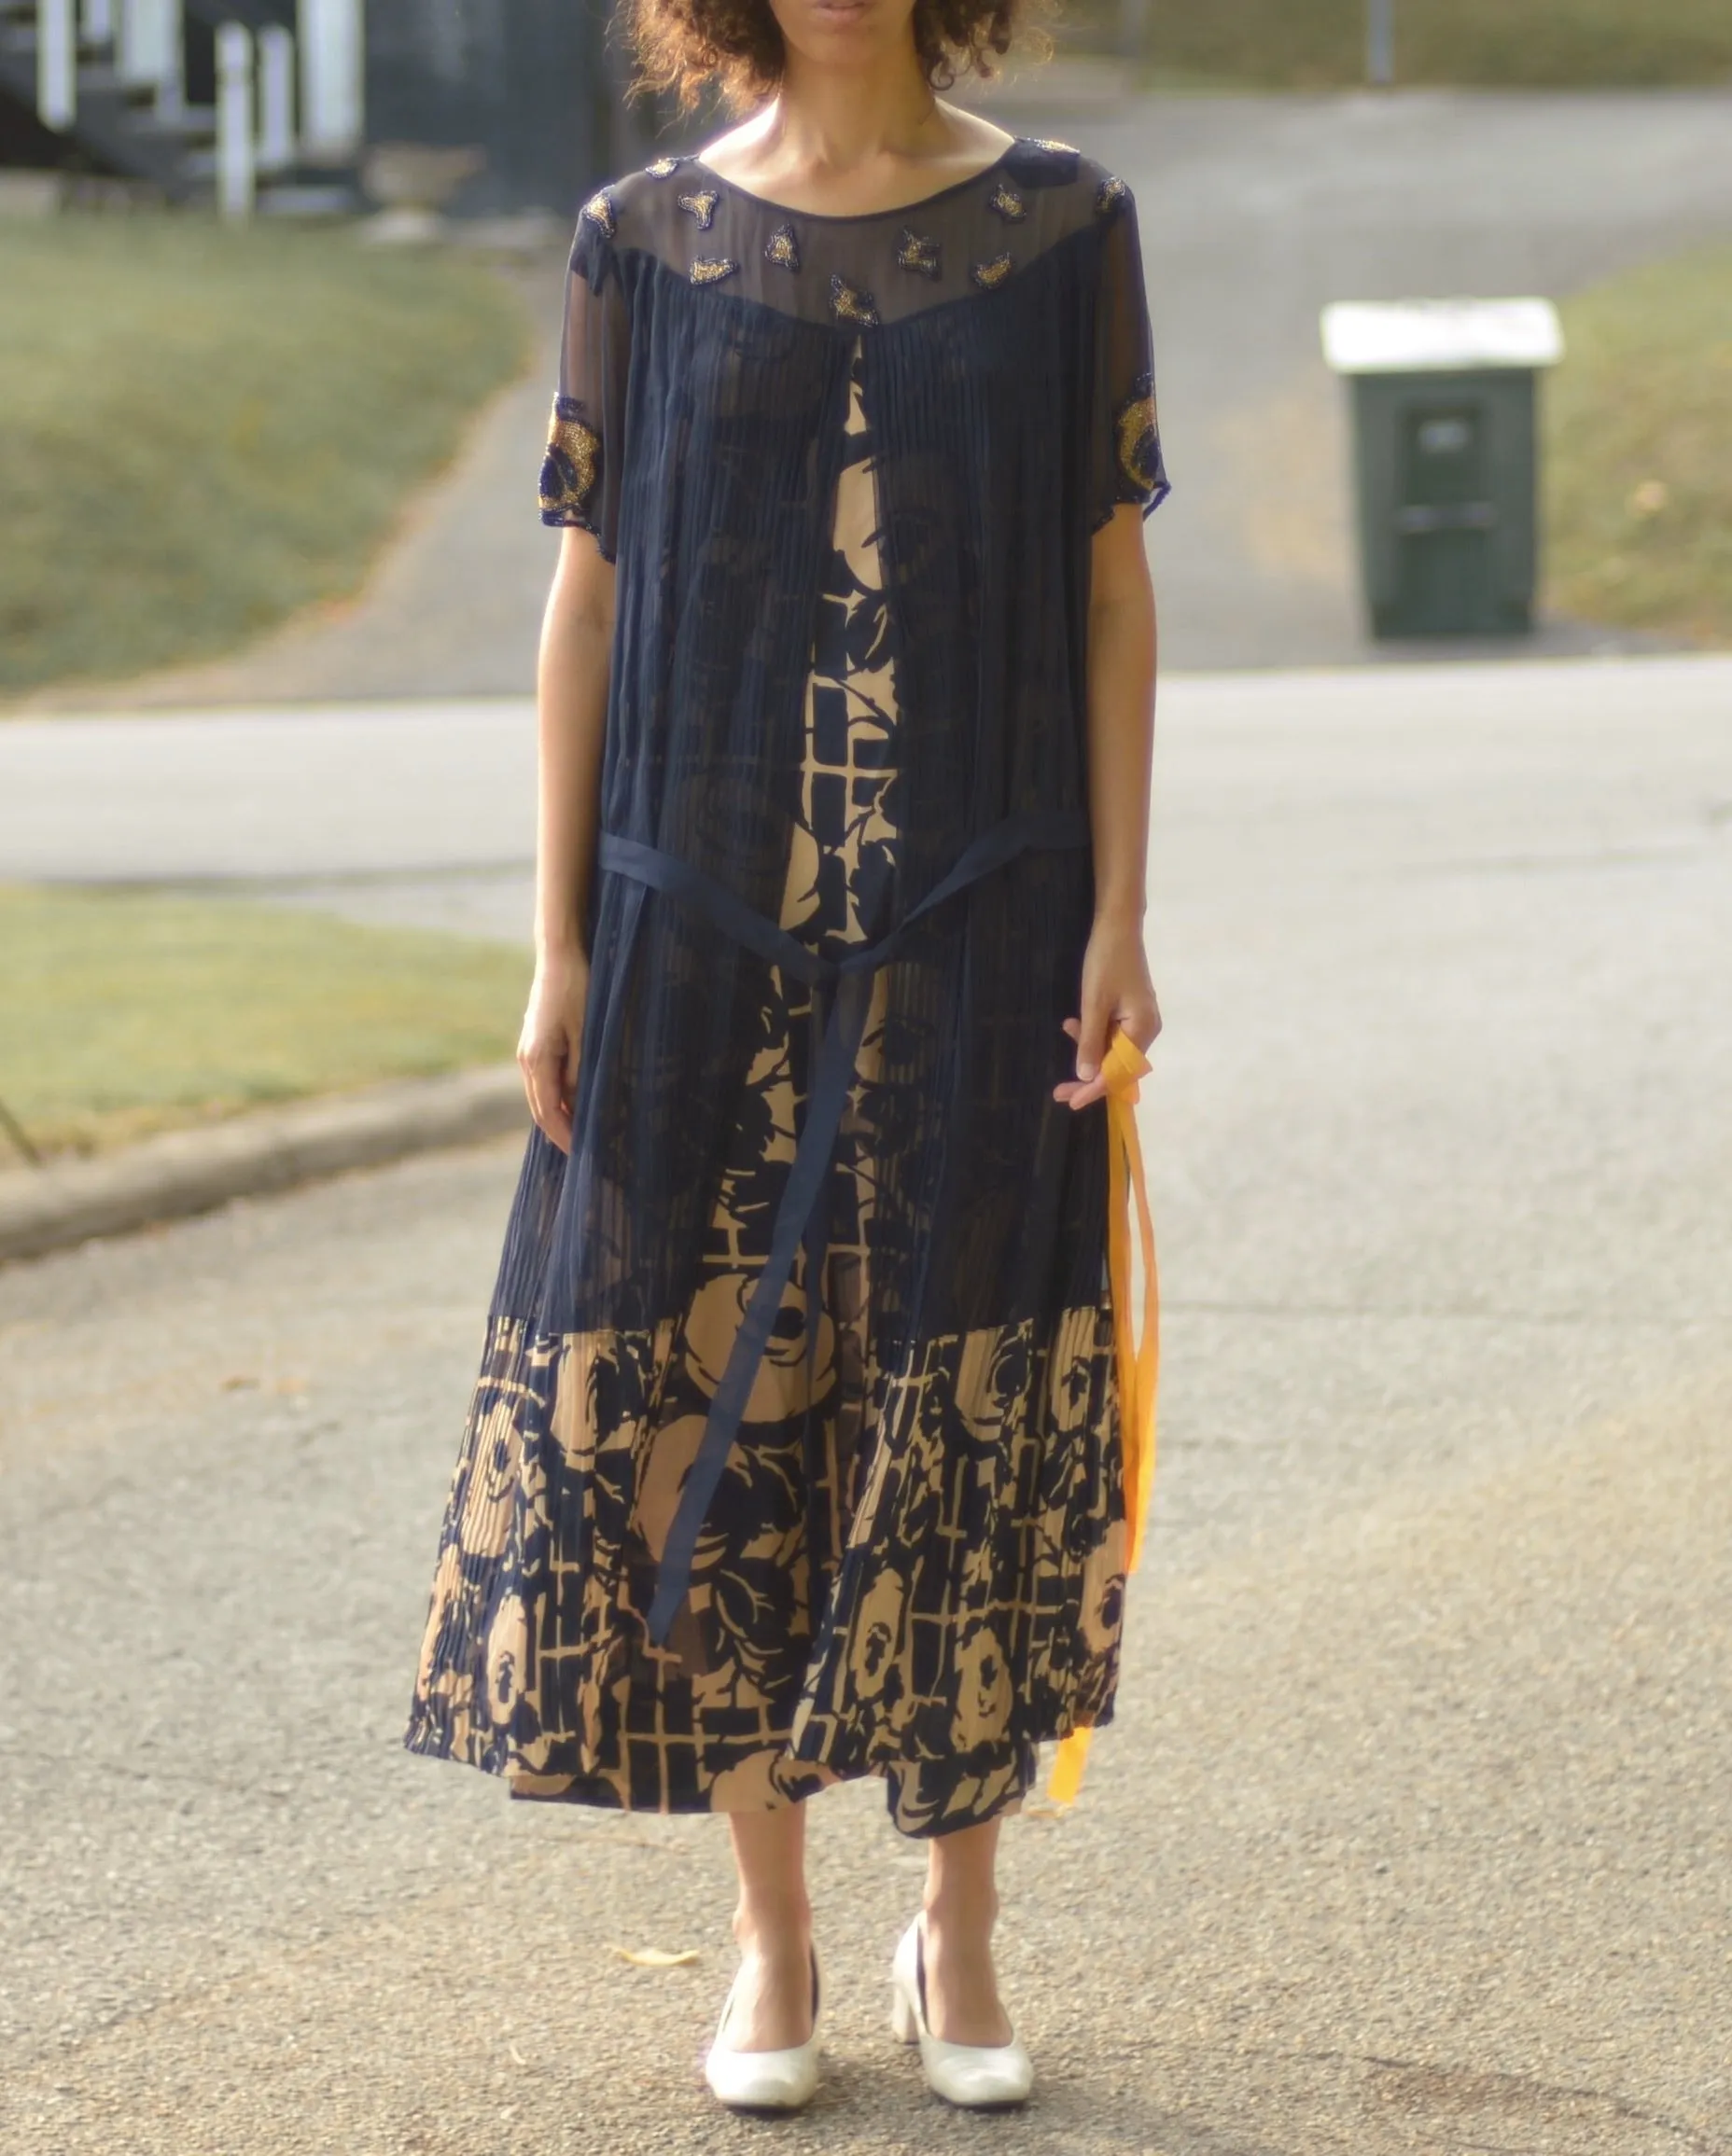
(553, 1036)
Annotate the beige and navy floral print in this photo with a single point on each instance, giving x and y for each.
(888, 1546)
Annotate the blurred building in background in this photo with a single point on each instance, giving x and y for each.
(177, 96)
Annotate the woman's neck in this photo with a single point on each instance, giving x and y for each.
(834, 141)
(837, 120)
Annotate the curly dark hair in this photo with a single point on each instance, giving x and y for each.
(686, 45)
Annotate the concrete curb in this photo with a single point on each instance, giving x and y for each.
(189, 1172)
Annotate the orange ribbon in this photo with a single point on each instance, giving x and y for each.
(1138, 1364)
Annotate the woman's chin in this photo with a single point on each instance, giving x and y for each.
(840, 31)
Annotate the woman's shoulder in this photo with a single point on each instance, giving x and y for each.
(1044, 162)
(638, 208)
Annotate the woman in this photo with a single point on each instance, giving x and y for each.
(795, 1454)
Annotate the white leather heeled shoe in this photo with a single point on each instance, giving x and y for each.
(979, 2076)
(764, 2081)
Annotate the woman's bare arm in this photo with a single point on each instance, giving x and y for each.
(571, 707)
(1115, 989)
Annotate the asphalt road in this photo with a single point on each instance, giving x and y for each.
(1411, 1832)
(1254, 213)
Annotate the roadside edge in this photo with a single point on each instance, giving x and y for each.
(189, 1172)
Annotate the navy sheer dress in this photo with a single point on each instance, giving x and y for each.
(794, 1453)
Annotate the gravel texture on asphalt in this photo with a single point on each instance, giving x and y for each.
(1411, 1831)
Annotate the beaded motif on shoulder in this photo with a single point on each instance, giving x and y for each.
(782, 248)
(701, 205)
(917, 253)
(663, 168)
(1008, 203)
(1110, 194)
(599, 211)
(712, 269)
(1040, 160)
(989, 275)
(848, 304)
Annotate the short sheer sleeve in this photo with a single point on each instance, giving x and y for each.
(585, 445)
(1126, 460)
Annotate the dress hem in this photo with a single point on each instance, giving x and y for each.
(599, 1793)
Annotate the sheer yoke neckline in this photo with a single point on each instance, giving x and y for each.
(859, 269)
(859, 217)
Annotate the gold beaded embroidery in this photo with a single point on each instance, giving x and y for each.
(663, 169)
(849, 305)
(916, 253)
(1110, 194)
(1008, 203)
(782, 248)
(1046, 141)
(712, 269)
(599, 211)
(1137, 430)
(989, 275)
(573, 460)
(701, 205)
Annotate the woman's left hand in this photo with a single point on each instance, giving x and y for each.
(1118, 993)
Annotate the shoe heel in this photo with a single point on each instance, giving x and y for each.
(902, 2017)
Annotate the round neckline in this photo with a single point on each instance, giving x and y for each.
(859, 217)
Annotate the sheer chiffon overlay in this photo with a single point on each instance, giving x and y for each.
(794, 1453)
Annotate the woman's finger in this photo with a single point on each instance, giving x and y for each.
(573, 1055)
(1139, 1023)
(541, 1069)
(1090, 1036)
(1079, 1092)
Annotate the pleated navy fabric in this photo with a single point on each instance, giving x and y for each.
(793, 1455)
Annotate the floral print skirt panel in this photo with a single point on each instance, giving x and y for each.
(914, 1572)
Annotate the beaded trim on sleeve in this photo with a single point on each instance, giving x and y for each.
(1136, 434)
(599, 211)
(571, 466)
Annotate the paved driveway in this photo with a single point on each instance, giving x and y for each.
(1255, 212)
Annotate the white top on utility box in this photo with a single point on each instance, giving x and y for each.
(1411, 335)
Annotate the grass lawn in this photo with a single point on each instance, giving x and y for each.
(1313, 44)
(1639, 450)
(205, 429)
(125, 1014)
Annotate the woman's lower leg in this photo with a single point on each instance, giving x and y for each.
(773, 1929)
(961, 1905)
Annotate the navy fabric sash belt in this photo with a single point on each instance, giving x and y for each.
(799, 1216)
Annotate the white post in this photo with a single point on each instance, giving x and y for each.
(141, 42)
(171, 68)
(276, 99)
(57, 63)
(98, 27)
(234, 120)
(1380, 42)
(332, 75)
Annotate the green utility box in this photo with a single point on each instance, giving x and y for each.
(1444, 458)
